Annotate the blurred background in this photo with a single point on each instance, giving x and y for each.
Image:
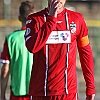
(91, 12)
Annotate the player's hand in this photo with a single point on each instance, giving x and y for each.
(54, 7)
(90, 97)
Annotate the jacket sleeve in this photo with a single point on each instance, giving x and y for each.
(5, 56)
(86, 58)
(37, 32)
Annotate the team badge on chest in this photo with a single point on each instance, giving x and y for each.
(73, 27)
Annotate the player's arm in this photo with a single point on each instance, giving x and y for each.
(86, 59)
(4, 59)
(36, 36)
(87, 65)
(4, 79)
(37, 32)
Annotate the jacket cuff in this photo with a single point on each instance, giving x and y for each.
(90, 91)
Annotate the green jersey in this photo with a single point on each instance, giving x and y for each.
(20, 63)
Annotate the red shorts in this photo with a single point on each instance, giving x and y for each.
(12, 97)
(72, 96)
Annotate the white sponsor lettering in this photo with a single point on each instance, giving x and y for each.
(59, 37)
(28, 38)
(28, 21)
(28, 30)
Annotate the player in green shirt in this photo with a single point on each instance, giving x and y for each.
(16, 59)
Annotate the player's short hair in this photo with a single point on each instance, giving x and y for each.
(25, 9)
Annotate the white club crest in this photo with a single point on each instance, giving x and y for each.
(73, 27)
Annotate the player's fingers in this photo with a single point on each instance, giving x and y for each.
(54, 4)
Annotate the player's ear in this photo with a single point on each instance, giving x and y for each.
(19, 18)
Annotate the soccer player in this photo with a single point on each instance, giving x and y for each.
(53, 35)
(16, 59)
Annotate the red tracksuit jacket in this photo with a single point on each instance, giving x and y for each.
(54, 67)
